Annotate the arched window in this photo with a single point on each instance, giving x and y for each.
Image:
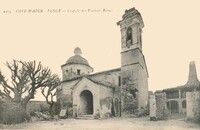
(129, 40)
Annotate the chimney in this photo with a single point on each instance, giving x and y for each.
(192, 78)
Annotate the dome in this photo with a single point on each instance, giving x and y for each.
(77, 58)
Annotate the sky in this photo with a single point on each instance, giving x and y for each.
(171, 35)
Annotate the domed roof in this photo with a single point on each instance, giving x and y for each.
(77, 58)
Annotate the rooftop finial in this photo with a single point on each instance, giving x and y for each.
(77, 51)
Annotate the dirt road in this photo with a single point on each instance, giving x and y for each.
(108, 124)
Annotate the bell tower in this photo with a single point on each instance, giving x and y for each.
(131, 30)
(134, 74)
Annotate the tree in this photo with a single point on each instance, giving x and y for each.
(26, 78)
(49, 92)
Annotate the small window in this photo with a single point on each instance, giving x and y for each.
(78, 72)
(67, 71)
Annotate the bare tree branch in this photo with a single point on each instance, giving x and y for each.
(49, 91)
(26, 78)
(3, 95)
(3, 82)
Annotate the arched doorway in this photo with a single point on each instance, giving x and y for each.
(173, 106)
(86, 102)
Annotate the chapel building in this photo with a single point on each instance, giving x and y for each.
(114, 92)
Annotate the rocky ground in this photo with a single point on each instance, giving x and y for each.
(107, 124)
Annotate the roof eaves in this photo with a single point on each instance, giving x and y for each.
(106, 71)
(107, 84)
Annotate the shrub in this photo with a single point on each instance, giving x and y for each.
(34, 106)
(1, 110)
(14, 113)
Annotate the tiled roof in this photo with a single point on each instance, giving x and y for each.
(182, 87)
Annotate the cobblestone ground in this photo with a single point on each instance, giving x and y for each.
(107, 124)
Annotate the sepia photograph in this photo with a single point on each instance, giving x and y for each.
(100, 65)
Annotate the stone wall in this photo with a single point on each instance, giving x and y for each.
(152, 107)
(193, 105)
(41, 106)
(161, 107)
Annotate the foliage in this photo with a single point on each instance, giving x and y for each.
(1, 110)
(65, 101)
(129, 95)
(26, 78)
(14, 113)
(40, 106)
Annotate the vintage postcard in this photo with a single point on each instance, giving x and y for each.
(108, 65)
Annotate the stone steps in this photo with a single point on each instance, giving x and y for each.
(85, 117)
